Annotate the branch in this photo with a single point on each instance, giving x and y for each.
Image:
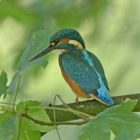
(55, 123)
(91, 107)
(85, 110)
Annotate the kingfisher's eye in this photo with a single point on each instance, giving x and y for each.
(54, 43)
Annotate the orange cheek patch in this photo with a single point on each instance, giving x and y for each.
(64, 41)
(72, 42)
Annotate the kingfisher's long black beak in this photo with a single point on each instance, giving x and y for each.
(49, 49)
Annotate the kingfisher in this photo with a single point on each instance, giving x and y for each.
(80, 68)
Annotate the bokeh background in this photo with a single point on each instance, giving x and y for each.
(110, 28)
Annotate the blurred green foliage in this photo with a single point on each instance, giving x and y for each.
(110, 30)
(3, 83)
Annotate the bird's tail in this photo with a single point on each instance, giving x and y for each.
(103, 95)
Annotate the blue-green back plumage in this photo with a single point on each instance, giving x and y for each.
(99, 67)
(76, 67)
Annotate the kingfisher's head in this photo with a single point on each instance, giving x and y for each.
(63, 40)
(67, 36)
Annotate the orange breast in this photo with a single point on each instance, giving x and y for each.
(73, 85)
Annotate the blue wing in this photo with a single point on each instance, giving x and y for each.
(98, 66)
(80, 71)
(103, 92)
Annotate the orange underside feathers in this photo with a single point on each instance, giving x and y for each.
(76, 89)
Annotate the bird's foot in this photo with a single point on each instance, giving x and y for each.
(76, 100)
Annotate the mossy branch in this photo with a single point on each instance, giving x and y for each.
(68, 114)
(91, 107)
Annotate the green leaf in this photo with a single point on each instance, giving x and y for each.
(35, 110)
(117, 120)
(38, 42)
(27, 131)
(3, 83)
(13, 127)
(8, 125)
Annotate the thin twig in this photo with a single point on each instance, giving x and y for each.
(71, 111)
(63, 102)
(83, 116)
(16, 92)
(19, 127)
(55, 123)
(54, 114)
